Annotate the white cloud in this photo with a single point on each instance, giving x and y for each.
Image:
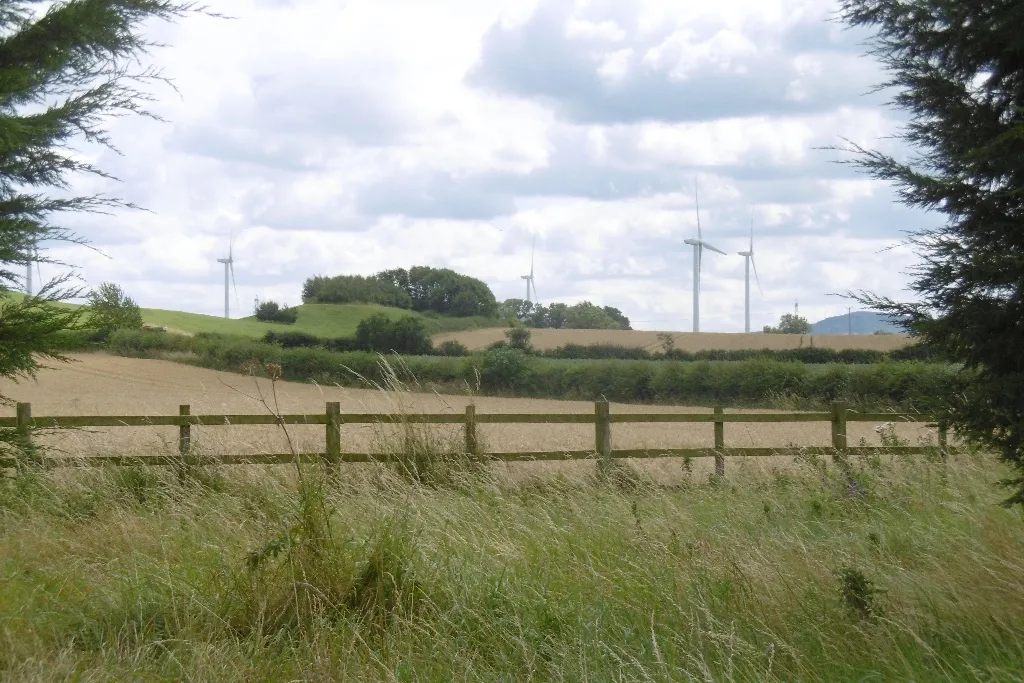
(345, 138)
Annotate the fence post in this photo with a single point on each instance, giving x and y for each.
(943, 438)
(24, 428)
(184, 432)
(603, 440)
(602, 429)
(471, 444)
(839, 426)
(719, 444)
(333, 436)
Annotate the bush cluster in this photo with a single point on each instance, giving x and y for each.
(272, 312)
(421, 288)
(378, 333)
(812, 354)
(910, 385)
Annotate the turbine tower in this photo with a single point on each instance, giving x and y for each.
(529, 278)
(698, 247)
(229, 266)
(33, 251)
(749, 261)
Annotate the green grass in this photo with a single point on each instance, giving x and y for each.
(770, 576)
(322, 320)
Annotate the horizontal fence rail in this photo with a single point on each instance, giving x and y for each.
(333, 419)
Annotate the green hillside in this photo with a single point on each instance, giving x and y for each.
(322, 320)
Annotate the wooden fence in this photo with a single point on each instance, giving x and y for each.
(602, 419)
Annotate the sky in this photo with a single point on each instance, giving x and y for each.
(350, 136)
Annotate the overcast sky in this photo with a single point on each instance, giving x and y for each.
(350, 136)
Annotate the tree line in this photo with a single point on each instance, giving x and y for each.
(420, 289)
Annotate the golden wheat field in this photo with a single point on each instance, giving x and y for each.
(544, 339)
(107, 385)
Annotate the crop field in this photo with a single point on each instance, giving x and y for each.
(544, 339)
(98, 384)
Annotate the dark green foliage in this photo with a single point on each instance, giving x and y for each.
(420, 288)
(406, 335)
(294, 339)
(858, 592)
(581, 316)
(519, 338)
(789, 324)
(504, 370)
(109, 309)
(958, 70)
(63, 76)
(807, 354)
(272, 312)
(451, 348)
(508, 371)
(354, 289)
(515, 310)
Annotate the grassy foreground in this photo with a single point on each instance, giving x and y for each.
(904, 570)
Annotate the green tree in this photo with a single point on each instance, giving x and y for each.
(109, 309)
(63, 75)
(272, 312)
(789, 323)
(957, 67)
(618, 316)
(407, 335)
(515, 310)
(518, 337)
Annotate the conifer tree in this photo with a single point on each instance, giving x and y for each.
(957, 70)
(63, 73)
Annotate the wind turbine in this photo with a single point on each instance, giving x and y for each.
(529, 278)
(229, 265)
(749, 261)
(698, 247)
(33, 250)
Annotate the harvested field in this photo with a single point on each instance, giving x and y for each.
(685, 341)
(109, 385)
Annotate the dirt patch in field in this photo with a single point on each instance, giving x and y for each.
(685, 341)
(109, 385)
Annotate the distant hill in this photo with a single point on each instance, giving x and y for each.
(862, 322)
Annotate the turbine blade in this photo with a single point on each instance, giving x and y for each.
(532, 250)
(696, 202)
(751, 230)
(712, 248)
(231, 267)
(231, 244)
(756, 279)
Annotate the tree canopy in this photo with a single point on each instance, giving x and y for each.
(582, 316)
(64, 73)
(789, 323)
(957, 70)
(421, 288)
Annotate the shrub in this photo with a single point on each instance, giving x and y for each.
(109, 309)
(272, 312)
(452, 347)
(519, 338)
(504, 369)
(292, 340)
(407, 335)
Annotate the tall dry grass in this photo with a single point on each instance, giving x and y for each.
(901, 570)
(863, 569)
